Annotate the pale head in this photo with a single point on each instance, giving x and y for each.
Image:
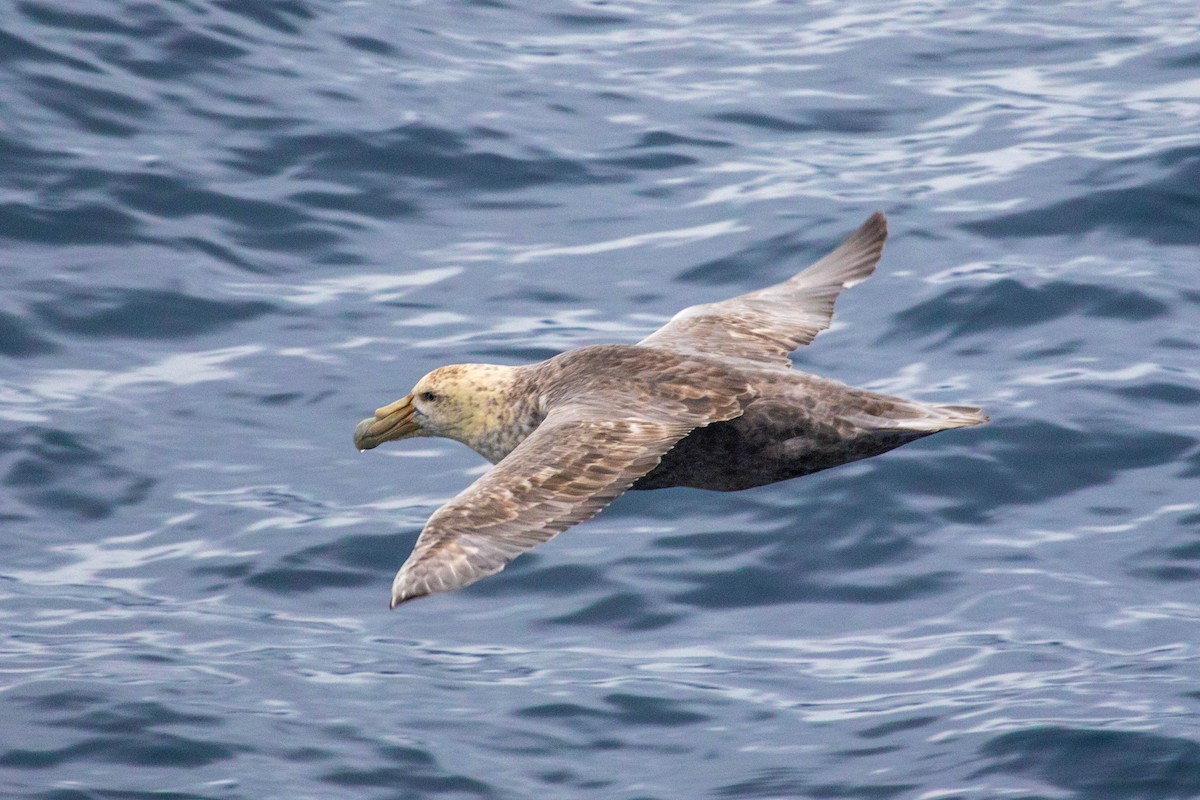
(460, 401)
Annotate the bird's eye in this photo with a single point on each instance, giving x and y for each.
(429, 397)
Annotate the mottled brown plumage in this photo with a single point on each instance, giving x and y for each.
(708, 401)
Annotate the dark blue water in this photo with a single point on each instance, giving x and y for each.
(231, 229)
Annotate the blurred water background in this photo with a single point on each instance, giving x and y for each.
(229, 229)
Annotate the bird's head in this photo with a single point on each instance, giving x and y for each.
(456, 402)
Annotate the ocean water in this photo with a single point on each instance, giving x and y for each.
(229, 229)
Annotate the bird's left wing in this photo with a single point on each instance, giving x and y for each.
(766, 325)
(578, 461)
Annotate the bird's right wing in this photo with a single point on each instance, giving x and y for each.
(768, 324)
(581, 458)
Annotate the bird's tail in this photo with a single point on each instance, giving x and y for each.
(944, 418)
(962, 416)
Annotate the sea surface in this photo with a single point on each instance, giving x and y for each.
(230, 229)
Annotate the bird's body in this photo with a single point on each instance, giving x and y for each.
(794, 424)
(709, 401)
(797, 425)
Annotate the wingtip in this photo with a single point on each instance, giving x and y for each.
(865, 242)
(404, 591)
(398, 600)
(876, 224)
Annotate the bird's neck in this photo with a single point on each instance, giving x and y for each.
(504, 413)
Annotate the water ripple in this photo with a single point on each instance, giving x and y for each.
(232, 229)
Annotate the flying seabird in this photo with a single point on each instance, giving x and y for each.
(710, 401)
